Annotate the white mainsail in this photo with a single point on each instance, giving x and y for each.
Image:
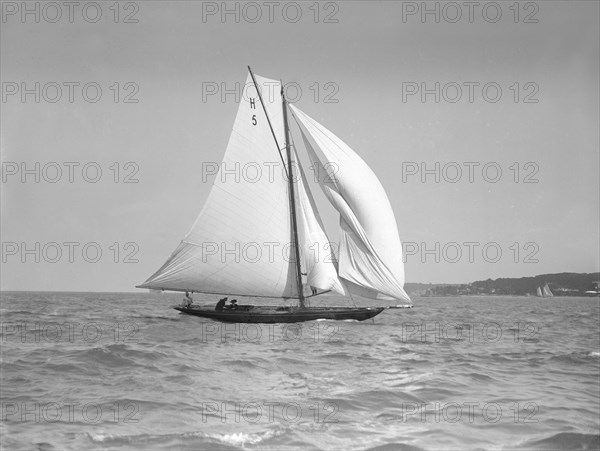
(370, 259)
(240, 242)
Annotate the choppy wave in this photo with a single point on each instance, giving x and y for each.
(185, 440)
(463, 373)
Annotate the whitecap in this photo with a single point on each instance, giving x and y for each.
(243, 438)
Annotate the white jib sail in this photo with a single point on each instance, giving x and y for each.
(370, 256)
(316, 251)
(240, 244)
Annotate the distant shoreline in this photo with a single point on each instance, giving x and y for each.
(559, 284)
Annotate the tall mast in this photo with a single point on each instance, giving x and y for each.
(292, 199)
(290, 182)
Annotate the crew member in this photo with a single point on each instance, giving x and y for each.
(187, 301)
(220, 304)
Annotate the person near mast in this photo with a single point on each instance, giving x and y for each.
(187, 301)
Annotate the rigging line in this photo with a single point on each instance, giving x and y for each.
(347, 289)
(293, 217)
(352, 298)
(268, 120)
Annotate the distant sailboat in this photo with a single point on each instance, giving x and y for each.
(544, 292)
(245, 218)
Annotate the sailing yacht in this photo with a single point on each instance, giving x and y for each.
(544, 292)
(261, 236)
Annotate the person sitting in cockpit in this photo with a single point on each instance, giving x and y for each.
(220, 304)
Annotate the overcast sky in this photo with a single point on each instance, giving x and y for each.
(359, 66)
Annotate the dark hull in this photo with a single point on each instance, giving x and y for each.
(254, 314)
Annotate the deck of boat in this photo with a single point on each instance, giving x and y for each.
(275, 314)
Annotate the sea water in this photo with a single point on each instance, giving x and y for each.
(125, 371)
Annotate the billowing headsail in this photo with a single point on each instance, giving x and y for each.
(317, 256)
(539, 292)
(370, 256)
(240, 242)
